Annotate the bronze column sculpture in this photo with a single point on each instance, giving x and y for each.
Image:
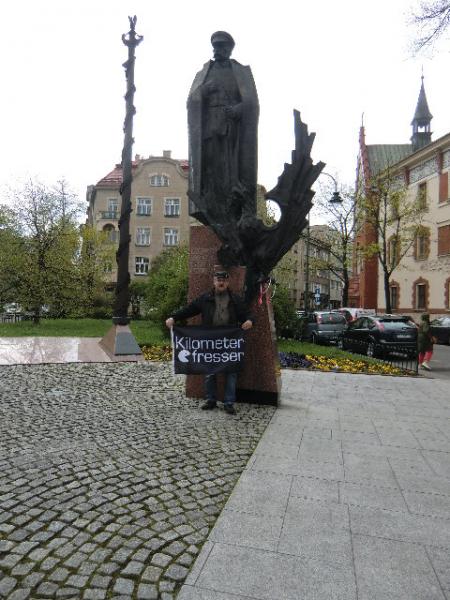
(131, 40)
(119, 341)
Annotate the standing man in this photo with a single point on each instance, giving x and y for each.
(217, 307)
(223, 113)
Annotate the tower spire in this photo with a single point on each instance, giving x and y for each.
(421, 133)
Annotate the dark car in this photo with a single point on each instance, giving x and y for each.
(380, 335)
(440, 328)
(322, 326)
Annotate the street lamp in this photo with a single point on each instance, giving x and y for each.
(336, 198)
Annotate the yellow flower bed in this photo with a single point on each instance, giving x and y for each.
(158, 353)
(346, 365)
(320, 363)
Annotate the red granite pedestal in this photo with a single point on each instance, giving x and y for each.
(259, 382)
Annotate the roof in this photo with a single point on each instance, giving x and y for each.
(422, 116)
(114, 178)
(382, 156)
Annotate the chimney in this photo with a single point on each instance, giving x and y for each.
(167, 153)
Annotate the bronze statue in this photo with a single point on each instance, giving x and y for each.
(223, 115)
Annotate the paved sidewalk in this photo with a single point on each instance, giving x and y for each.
(50, 350)
(347, 496)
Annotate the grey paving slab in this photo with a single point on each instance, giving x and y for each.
(248, 530)
(196, 593)
(400, 526)
(428, 504)
(440, 560)
(268, 575)
(365, 469)
(360, 494)
(387, 569)
(261, 492)
(315, 489)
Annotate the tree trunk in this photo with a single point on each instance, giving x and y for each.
(345, 287)
(387, 295)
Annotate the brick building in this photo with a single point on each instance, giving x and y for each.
(421, 281)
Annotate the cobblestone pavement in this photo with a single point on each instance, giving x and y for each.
(110, 479)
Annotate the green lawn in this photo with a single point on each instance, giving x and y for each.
(289, 345)
(145, 332)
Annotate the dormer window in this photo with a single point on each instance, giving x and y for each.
(159, 180)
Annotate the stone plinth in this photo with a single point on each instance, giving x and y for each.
(260, 381)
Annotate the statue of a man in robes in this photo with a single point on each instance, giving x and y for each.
(223, 115)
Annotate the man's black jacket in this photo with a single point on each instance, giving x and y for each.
(205, 306)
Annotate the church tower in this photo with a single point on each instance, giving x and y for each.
(421, 134)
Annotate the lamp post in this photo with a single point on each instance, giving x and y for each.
(336, 198)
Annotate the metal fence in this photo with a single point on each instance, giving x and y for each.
(11, 317)
(404, 357)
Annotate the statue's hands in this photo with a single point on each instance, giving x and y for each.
(247, 325)
(233, 112)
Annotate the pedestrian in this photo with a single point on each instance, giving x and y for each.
(218, 307)
(425, 342)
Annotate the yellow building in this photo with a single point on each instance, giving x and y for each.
(160, 214)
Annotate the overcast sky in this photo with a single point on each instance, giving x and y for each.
(62, 103)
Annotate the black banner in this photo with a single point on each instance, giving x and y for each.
(197, 349)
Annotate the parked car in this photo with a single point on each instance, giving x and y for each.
(322, 326)
(440, 328)
(380, 335)
(351, 314)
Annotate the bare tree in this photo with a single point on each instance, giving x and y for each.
(339, 238)
(432, 20)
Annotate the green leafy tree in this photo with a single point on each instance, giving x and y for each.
(94, 264)
(396, 219)
(12, 254)
(284, 312)
(46, 222)
(166, 285)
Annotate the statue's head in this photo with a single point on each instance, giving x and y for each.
(223, 45)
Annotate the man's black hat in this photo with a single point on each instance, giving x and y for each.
(221, 274)
(222, 36)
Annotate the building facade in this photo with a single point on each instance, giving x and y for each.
(421, 280)
(304, 272)
(160, 212)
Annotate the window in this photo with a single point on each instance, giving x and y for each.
(421, 247)
(113, 235)
(443, 240)
(143, 236)
(171, 207)
(421, 290)
(394, 297)
(422, 194)
(170, 236)
(393, 251)
(144, 206)
(113, 205)
(159, 180)
(141, 265)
